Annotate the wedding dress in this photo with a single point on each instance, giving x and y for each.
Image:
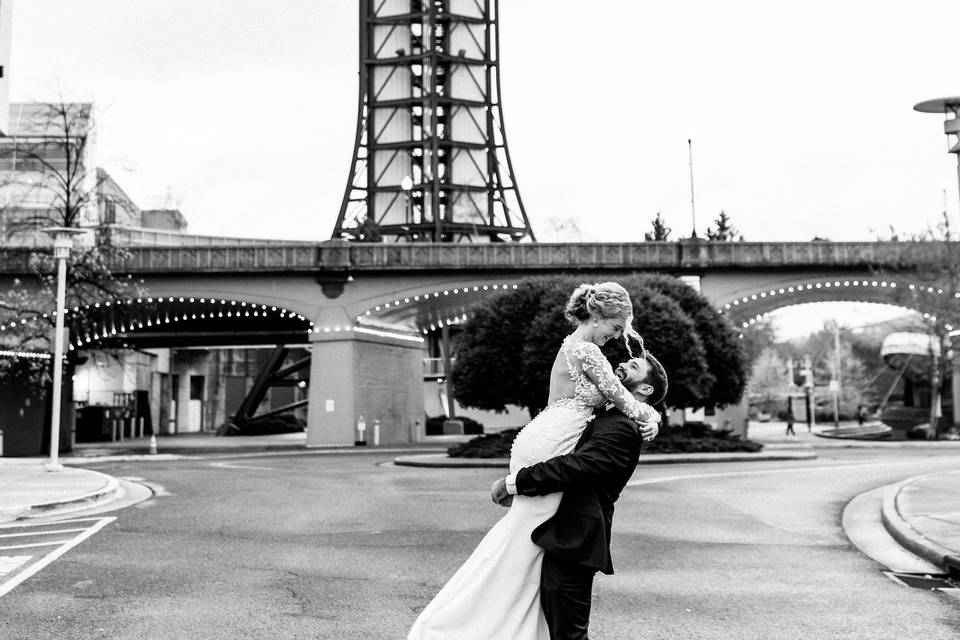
(495, 594)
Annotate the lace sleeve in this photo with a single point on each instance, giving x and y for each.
(596, 367)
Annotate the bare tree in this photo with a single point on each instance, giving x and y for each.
(48, 179)
(929, 270)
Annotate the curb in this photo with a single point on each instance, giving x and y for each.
(110, 491)
(911, 539)
(242, 453)
(441, 460)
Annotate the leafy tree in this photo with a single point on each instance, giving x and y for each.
(768, 378)
(757, 337)
(723, 230)
(488, 371)
(660, 231)
(505, 353)
(726, 378)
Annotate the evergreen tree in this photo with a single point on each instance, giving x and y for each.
(660, 231)
(723, 230)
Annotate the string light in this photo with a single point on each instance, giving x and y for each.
(810, 286)
(154, 317)
(426, 295)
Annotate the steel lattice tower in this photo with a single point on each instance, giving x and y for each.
(430, 161)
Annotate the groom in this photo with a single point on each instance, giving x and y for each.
(576, 540)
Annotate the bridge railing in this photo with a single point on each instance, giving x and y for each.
(344, 257)
(291, 257)
(147, 237)
(667, 255)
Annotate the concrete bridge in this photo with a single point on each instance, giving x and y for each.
(366, 308)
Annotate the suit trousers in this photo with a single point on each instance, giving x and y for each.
(565, 592)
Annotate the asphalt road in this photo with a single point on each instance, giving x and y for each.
(348, 546)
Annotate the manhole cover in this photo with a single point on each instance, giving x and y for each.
(928, 581)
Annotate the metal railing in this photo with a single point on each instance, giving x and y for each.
(433, 367)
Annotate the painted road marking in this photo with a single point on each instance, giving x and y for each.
(35, 544)
(228, 465)
(40, 533)
(30, 565)
(10, 563)
(761, 472)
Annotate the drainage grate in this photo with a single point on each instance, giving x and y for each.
(928, 581)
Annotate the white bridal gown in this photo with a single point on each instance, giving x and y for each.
(495, 595)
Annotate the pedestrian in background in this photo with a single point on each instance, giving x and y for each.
(789, 418)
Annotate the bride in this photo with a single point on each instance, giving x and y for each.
(495, 595)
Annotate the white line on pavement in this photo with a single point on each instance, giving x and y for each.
(9, 563)
(759, 472)
(10, 584)
(39, 533)
(227, 465)
(35, 544)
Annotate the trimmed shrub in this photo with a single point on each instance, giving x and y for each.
(284, 423)
(693, 437)
(491, 445)
(434, 425)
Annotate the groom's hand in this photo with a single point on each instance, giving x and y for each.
(499, 494)
(648, 430)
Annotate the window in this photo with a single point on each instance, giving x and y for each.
(196, 387)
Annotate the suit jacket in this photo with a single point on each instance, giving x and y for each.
(591, 477)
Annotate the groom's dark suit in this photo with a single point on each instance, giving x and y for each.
(576, 540)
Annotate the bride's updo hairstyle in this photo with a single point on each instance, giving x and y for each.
(603, 300)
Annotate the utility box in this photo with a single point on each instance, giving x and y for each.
(453, 427)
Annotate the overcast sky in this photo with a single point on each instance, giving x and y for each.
(242, 112)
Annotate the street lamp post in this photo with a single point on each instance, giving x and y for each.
(951, 126)
(62, 243)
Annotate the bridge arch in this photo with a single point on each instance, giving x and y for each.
(170, 321)
(426, 308)
(746, 307)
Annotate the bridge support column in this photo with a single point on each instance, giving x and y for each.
(370, 373)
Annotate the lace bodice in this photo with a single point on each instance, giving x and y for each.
(595, 383)
(556, 430)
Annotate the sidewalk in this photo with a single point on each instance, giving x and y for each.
(923, 515)
(28, 490)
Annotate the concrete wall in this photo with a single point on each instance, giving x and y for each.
(378, 377)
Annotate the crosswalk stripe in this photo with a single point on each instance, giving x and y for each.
(12, 583)
(52, 543)
(40, 533)
(10, 563)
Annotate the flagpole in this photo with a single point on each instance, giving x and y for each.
(693, 208)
